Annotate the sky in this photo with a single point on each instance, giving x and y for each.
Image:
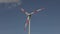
(12, 20)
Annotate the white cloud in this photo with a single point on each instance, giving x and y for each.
(9, 1)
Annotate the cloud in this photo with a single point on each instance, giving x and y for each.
(9, 1)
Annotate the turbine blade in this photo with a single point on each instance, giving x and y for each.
(40, 9)
(24, 11)
(27, 22)
(36, 11)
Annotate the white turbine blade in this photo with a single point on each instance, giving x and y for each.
(24, 11)
(40, 9)
(37, 11)
(32, 13)
(27, 13)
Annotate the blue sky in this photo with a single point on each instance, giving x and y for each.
(12, 20)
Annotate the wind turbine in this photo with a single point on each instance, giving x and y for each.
(29, 17)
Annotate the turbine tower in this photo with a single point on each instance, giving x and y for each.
(29, 17)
